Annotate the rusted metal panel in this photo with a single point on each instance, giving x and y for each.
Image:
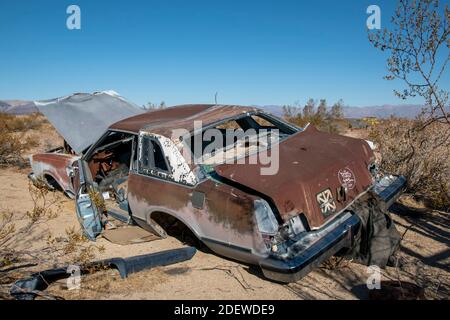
(310, 163)
(54, 165)
(229, 206)
(136, 123)
(211, 115)
(181, 117)
(227, 214)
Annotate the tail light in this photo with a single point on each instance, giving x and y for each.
(265, 219)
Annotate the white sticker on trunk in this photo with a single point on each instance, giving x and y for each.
(347, 178)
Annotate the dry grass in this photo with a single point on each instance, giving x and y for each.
(420, 154)
(11, 149)
(19, 231)
(13, 139)
(20, 123)
(324, 124)
(107, 284)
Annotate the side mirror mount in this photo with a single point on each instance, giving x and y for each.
(71, 171)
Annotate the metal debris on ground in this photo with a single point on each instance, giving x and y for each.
(30, 288)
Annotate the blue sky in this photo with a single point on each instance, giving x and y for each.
(250, 52)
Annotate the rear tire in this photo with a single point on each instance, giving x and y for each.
(177, 229)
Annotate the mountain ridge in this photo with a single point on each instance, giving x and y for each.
(17, 107)
(409, 111)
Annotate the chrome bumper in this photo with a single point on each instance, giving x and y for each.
(388, 189)
(306, 255)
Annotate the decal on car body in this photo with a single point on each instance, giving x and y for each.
(347, 178)
(326, 202)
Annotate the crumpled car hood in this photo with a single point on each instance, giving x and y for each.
(310, 162)
(82, 118)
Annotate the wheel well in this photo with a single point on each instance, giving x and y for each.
(52, 182)
(176, 228)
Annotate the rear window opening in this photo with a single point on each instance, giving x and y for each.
(237, 137)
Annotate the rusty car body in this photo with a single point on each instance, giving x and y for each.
(137, 168)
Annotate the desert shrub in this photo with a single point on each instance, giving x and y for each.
(327, 124)
(421, 154)
(20, 123)
(31, 142)
(11, 148)
(13, 142)
(19, 231)
(328, 120)
(42, 212)
(150, 106)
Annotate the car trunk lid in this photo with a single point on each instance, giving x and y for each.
(315, 168)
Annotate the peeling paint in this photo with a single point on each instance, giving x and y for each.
(54, 165)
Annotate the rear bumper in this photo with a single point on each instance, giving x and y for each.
(293, 269)
(388, 189)
(304, 257)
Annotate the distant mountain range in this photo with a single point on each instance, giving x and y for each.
(384, 111)
(409, 111)
(17, 106)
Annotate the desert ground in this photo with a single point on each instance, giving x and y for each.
(425, 255)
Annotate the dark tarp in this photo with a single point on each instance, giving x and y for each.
(379, 238)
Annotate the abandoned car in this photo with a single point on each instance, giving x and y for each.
(323, 196)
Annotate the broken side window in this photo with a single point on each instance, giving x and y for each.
(134, 157)
(158, 156)
(151, 157)
(145, 153)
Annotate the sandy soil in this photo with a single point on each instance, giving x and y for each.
(425, 259)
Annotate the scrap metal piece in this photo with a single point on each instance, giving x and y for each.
(26, 289)
(147, 261)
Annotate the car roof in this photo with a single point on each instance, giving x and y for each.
(164, 121)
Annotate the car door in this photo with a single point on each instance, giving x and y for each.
(89, 202)
(158, 182)
(163, 182)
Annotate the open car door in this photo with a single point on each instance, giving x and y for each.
(89, 202)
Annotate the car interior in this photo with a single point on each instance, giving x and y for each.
(109, 164)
